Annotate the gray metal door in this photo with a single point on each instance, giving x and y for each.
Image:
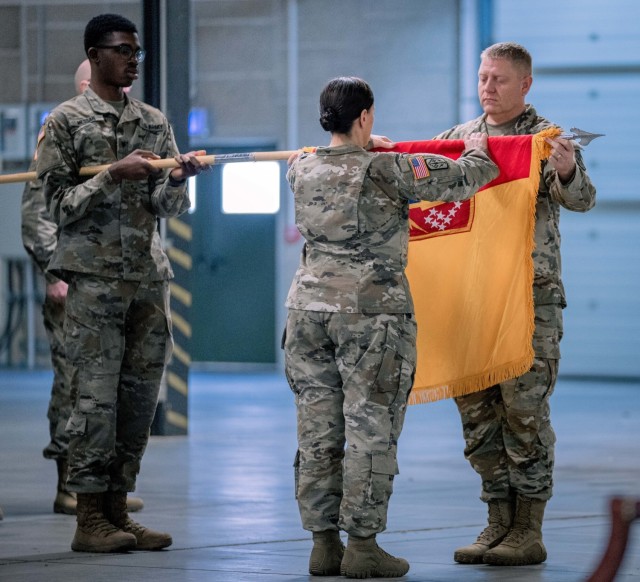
(233, 285)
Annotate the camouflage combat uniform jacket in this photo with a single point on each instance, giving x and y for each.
(357, 230)
(578, 195)
(39, 232)
(106, 228)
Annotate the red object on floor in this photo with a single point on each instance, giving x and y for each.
(623, 511)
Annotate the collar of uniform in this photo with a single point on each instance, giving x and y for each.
(338, 150)
(527, 120)
(99, 105)
(523, 123)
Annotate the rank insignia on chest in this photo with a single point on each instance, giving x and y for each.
(420, 170)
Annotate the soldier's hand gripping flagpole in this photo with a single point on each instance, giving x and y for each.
(211, 159)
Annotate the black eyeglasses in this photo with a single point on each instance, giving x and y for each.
(125, 51)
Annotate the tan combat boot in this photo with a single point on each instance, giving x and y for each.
(363, 558)
(94, 533)
(523, 544)
(116, 513)
(326, 555)
(65, 501)
(500, 520)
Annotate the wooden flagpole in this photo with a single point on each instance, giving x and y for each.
(211, 159)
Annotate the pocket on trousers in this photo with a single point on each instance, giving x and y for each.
(384, 466)
(387, 382)
(283, 339)
(296, 473)
(76, 425)
(397, 368)
(169, 345)
(547, 436)
(82, 344)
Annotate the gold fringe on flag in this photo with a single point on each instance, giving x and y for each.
(462, 319)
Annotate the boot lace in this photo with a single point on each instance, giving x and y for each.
(384, 554)
(491, 532)
(516, 536)
(98, 524)
(495, 528)
(133, 527)
(521, 528)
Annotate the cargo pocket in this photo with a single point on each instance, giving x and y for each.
(76, 425)
(82, 344)
(396, 372)
(283, 339)
(387, 382)
(289, 376)
(169, 345)
(384, 467)
(296, 473)
(547, 436)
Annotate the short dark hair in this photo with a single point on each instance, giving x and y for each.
(341, 102)
(511, 51)
(103, 25)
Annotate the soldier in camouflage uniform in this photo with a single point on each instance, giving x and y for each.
(350, 338)
(508, 436)
(109, 251)
(39, 237)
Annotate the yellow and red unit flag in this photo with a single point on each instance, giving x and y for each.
(471, 272)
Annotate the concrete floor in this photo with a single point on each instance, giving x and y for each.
(225, 492)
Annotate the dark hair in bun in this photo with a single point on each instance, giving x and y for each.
(341, 102)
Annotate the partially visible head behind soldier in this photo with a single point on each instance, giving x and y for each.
(83, 76)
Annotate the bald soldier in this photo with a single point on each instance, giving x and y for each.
(39, 237)
(83, 76)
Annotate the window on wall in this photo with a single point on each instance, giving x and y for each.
(191, 189)
(251, 188)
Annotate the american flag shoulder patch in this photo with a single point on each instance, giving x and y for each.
(38, 140)
(419, 167)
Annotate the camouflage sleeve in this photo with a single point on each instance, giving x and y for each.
(168, 200)
(434, 177)
(291, 175)
(292, 169)
(67, 200)
(39, 232)
(579, 194)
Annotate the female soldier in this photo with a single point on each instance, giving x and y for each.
(350, 339)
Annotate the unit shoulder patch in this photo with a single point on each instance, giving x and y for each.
(437, 164)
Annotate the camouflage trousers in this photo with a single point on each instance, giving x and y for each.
(60, 407)
(351, 375)
(508, 436)
(118, 339)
